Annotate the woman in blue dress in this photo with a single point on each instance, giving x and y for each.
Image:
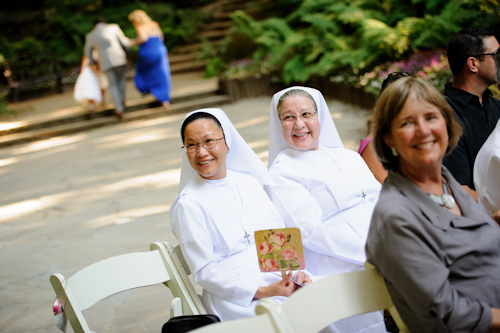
(152, 72)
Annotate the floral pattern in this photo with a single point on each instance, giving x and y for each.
(276, 253)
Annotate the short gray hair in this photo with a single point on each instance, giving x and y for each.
(293, 93)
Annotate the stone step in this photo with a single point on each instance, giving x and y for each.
(235, 5)
(219, 16)
(194, 65)
(217, 25)
(79, 113)
(192, 47)
(180, 58)
(83, 125)
(212, 34)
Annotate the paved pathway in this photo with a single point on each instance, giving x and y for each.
(70, 201)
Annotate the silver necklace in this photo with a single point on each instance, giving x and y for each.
(445, 199)
(237, 199)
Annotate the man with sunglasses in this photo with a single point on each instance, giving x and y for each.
(471, 55)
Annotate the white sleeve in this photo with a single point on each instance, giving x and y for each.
(189, 225)
(489, 180)
(298, 208)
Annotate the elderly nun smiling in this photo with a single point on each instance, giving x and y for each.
(323, 189)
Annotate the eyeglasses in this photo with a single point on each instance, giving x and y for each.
(396, 74)
(207, 144)
(491, 54)
(290, 119)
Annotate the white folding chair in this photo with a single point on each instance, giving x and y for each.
(105, 278)
(181, 270)
(315, 307)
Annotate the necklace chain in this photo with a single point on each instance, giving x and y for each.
(237, 199)
(445, 199)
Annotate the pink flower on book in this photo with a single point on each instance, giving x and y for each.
(265, 248)
(269, 264)
(278, 239)
(288, 254)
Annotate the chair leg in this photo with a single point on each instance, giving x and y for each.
(176, 307)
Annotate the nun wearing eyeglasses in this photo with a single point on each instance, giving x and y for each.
(220, 205)
(325, 190)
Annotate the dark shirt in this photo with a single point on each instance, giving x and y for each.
(477, 121)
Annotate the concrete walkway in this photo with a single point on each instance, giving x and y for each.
(73, 200)
(39, 108)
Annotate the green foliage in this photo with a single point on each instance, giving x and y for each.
(328, 37)
(214, 63)
(28, 58)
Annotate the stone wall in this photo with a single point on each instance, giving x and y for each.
(263, 86)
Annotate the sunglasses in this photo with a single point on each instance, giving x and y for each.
(485, 54)
(393, 74)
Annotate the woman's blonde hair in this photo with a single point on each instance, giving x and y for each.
(140, 17)
(390, 103)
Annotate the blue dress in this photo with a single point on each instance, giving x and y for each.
(152, 71)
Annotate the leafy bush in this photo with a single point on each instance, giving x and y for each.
(329, 37)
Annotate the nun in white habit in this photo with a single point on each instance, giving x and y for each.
(220, 206)
(325, 190)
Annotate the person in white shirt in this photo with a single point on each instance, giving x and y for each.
(487, 174)
(325, 190)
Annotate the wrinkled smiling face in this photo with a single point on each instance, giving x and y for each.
(209, 163)
(301, 135)
(419, 134)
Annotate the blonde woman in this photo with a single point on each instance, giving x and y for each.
(152, 71)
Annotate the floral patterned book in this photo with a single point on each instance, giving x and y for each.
(280, 250)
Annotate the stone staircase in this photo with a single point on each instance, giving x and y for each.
(188, 57)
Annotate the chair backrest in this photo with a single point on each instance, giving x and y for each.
(105, 278)
(180, 283)
(315, 307)
(337, 297)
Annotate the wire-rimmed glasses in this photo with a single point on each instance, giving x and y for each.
(289, 119)
(207, 144)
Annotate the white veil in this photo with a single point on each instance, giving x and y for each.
(329, 137)
(240, 157)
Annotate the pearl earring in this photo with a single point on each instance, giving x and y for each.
(394, 151)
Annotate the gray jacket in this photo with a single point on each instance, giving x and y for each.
(442, 270)
(110, 42)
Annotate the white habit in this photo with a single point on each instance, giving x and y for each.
(330, 194)
(205, 219)
(487, 172)
(321, 192)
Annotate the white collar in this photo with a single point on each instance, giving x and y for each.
(329, 137)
